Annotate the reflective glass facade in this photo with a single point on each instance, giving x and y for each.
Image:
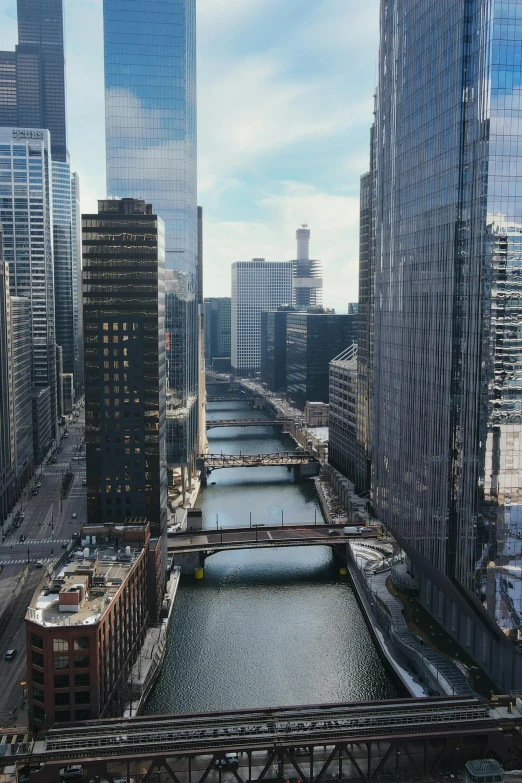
(124, 321)
(447, 363)
(26, 217)
(217, 327)
(150, 99)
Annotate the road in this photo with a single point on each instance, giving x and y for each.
(46, 528)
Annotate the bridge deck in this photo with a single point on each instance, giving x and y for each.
(286, 458)
(182, 734)
(245, 423)
(257, 537)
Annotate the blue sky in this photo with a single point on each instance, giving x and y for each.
(284, 109)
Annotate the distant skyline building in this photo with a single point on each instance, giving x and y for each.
(124, 320)
(444, 327)
(32, 78)
(273, 348)
(150, 113)
(345, 452)
(257, 285)
(26, 215)
(312, 340)
(217, 327)
(307, 274)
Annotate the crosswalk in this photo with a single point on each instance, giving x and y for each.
(33, 541)
(21, 560)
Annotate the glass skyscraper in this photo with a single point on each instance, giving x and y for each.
(32, 78)
(150, 100)
(446, 410)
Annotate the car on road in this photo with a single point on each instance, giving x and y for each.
(74, 515)
(22, 537)
(39, 564)
(72, 772)
(84, 482)
(34, 491)
(10, 654)
(334, 532)
(38, 484)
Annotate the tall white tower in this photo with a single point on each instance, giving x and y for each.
(307, 281)
(303, 242)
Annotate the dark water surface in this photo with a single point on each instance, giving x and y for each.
(268, 627)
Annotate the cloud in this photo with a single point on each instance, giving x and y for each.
(333, 221)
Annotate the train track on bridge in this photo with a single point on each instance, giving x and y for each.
(285, 458)
(246, 423)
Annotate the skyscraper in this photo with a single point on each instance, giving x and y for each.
(26, 216)
(124, 319)
(257, 285)
(22, 401)
(32, 78)
(7, 447)
(217, 327)
(307, 282)
(150, 100)
(446, 369)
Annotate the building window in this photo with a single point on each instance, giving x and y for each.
(60, 645)
(61, 680)
(83, 714)
(83, 697)
(38, 694)
(37, 658)
(37, 677)
(62, 717)
(81, 643)
(61, 662)
(61, 699)
(36, 641)
(38, 713)
(81, 661)
(82, 680)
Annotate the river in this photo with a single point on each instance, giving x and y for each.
(268, 627)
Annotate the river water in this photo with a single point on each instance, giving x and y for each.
(269, 627)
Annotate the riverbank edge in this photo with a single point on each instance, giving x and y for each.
(155, 646)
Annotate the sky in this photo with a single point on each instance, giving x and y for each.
(285, 99)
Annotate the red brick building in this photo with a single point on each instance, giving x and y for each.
(86, 627)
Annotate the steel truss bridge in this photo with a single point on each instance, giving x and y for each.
(313, 743)
(246, 423)
(254, 537)
(285, 458)
(228, 398)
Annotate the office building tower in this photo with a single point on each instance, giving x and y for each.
(76, 244)
(353, 308)
(257, 285)
(447, 356)
(312, 340)
(26, 215)
(150, 100)
(202, 390)
(273, 348)
(66, 261)
(32, 78)
(22, 395)
(345, 452)
(307, 274)
(217, 327)
(124, 320)
(7, 447)
(42, 413)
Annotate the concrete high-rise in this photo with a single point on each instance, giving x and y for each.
(7, 445)
(307, 274)
(446, 388)
(22, 401)
(32, 78)
(26, 215)
(150, 101)
(257, 285)
(124, 322)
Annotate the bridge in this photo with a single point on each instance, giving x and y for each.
(254, 537)
(245, 423)
(227, 398)
(314, 743)
(286, 458)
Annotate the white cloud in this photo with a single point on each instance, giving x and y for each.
(334, 225)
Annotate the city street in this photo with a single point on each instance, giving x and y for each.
(47, 529)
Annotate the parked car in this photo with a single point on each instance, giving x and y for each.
(334, 532)
(10, 655)
(72, 772)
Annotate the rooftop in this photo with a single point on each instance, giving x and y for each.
(83, 588)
